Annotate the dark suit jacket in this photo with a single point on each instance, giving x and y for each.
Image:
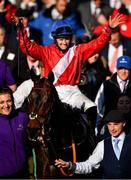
(85, 12)
(17, 63)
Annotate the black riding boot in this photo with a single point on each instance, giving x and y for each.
(91, 118)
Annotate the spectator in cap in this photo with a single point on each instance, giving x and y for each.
(124, 62)
(111, 154)
(110, 90)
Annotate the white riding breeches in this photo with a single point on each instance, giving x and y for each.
(73, 96)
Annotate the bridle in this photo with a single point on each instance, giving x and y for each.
(35, 117)
(38, 118)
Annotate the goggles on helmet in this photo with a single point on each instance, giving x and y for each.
(64, 31)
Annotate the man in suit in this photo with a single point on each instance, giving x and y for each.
(89, 11)
(113, 50)
(15, 59)
(112, 154)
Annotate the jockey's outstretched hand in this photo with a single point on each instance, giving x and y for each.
(17, 20)
(116, 20)
(61, 164)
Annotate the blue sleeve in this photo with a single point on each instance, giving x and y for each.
(38, 22)
(78, 27)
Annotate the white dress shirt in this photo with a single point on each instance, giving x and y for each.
(94, 10)
(120, 82)
(93, 162)
(112, 49)
(22, 92)
(115, 4)
(121, 138)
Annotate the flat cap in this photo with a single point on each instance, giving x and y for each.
(114, 116)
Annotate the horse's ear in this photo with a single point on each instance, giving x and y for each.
(51, 77)
(34, 75)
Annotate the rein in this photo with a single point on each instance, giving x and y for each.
(74, 159)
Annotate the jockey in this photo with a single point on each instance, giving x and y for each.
(65, 59)
(68, 90)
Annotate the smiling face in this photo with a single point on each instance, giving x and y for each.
(115, 129)
(115, 39)
(6, 104)
(63, 43)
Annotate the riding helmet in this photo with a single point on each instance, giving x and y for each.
(61, 28)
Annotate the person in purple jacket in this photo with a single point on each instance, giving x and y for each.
(13, 125)
(6, 77)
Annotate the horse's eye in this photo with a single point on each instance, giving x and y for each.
(32, 115)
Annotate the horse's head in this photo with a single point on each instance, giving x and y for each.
(40, 102)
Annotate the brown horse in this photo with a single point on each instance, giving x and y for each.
(62, 127)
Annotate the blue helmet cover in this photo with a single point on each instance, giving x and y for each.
(61, 28)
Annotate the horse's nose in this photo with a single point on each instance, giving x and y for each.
(33, 124)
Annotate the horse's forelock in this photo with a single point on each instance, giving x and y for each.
(40, 99)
